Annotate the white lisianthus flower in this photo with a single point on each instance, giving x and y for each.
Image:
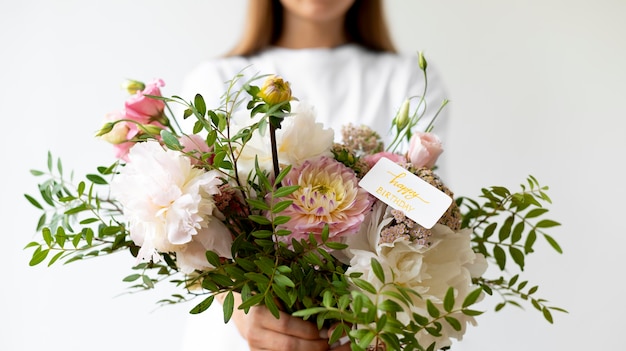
(300, 138)
(430, 270)
(169, 206)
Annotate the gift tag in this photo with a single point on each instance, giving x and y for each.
(404, 191)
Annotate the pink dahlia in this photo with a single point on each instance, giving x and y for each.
(328, 194)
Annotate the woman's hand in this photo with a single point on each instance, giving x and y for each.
(263, 331)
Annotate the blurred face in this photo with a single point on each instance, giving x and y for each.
(317, 10)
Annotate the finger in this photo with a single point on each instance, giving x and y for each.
(286, 324)
(266, 340)
(343, 344)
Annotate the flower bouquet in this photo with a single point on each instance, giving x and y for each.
(356, 235)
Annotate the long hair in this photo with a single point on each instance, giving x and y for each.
(365, 24)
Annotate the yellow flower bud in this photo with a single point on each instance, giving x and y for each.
(133, 86)
(275, 90)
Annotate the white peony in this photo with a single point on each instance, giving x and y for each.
(448, 261)
(300, 138)
(169, 206)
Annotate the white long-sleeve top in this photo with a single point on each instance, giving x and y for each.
(347, 84)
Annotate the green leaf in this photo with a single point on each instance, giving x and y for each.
(278, 220)
(203, 306)
(471, 312)
(390, 306)
(530, 241)
(253, 300)
(132, 277)
(517, 232)
(327, 298)
(365, 285)
(553, 243)
(505, 230)
(262, 234)
(535, 213)
(500, 191)
(96, 179)
(448, 301)
(366, 339)
(47, 236)
(283, 281)
(262, 220)
(229, 306)
(454, 323)
(335, 245)
(309, 311)
(378, 270)
(419, 319)
(518, 256)
(33, 201)
(219, 158)
(285, 190)
(221, 279)
(489, 230)
(55, 258)
(500, 256)
(271, 305)
(281, 206)
(432, 309)
(211, 137)
(200, 105)
(547, 315)
(170, 140)
(472, 297)
(147, 281)
(258, 204)
(213, 258)
(547, 223)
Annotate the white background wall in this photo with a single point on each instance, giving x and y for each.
(537, 87)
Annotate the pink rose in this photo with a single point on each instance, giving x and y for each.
(371, 160)
(145, 109)
(195, 145)
(424, 149)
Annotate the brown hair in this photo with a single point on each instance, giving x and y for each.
(365, 25)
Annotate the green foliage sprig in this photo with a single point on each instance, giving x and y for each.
(505, 228)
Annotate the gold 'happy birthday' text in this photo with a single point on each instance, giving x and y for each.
(405, 190)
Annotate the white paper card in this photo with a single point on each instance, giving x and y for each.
(405, 191)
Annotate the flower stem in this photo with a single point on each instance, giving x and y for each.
(274, 150)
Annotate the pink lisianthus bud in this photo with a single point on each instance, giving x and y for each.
(145, 109)
(275, 90)
(424, 149)
(372, 159)
(114, 131)
(196, 146)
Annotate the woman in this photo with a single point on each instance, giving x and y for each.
(339, 58)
